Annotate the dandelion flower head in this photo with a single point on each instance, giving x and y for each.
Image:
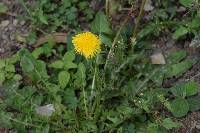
(87, 44)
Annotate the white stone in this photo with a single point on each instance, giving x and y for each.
(158, 58)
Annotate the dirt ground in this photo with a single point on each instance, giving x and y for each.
(11, 26)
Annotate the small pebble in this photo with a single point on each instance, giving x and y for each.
(10, 28)
(158, 58)
(2, 50)
(4, 23)
(4, 37)
(15, 22)
(22, 23)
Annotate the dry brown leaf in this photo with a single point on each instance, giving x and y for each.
(57, 38)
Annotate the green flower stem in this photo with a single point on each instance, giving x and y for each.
(107, 8)
(139, 18)
(94, 77)
(85, 102)
(110, 53)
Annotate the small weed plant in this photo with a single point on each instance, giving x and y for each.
(100, 82)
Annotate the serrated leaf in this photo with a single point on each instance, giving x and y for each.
(63, 78)
(186, 3)
(158, 77)
(150, 28)
(179, 68)
(185, 89)
(191, 88)
(57, 64)
(179, 107)
(169, 124)
(4, 120)
(3, 8)
(101, 24)
(179, 90)
(176, 56)
(181, 31)
(194, 103)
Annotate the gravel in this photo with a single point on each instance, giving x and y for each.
(10, 26)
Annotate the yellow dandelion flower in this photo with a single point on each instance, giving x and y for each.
(87, 44)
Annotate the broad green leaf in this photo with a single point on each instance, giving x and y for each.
(176, 56)
(57, 64)
(181, 31)
(101, 24)
(69, 56)
(152, 128)
(185, 89)
(17, 77)
(26, 64)
(31, 38)
(179, 107)
(69, 65)
(27, 91)
(10, 68)
(37, 52)
(2, 77)
(194, 103)
(63, 78)
(106, 40)
(70, 98)
(42, 17)
(179, 90)
(169, 124)
(191, 88)
(13, 59)
(3, 8)
(40, 69)
(186, 3)
(158, 77)
(128, 128)
(2, 63)
(179, 68)
(194, 23)
(36, 69)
